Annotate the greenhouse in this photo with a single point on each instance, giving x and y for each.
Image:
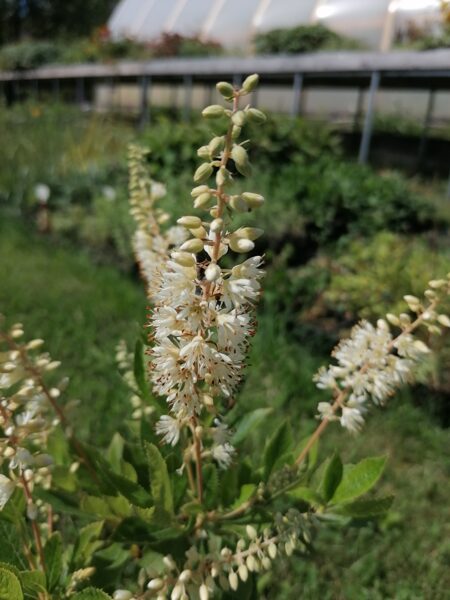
(234, 23)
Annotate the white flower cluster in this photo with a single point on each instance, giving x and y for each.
(221, 568)
(25, 418)
(373, 364)
(150, 244)
(203, 315)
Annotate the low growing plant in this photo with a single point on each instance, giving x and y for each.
(172, 508)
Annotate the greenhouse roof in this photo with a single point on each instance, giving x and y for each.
(234, 23)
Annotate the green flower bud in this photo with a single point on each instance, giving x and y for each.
(214, 111)
(235, 132)
(253, 200)
(250, 83)
(250, 233)
(200, 189)
(215, 144)
(199, 232)
(185, 259)
(194, 245)
(240, 157)
(239, 118)
(256, 115)
(203, 172)
(444, 320)
(204, 152)
(189, 222)
(241, 245)
(225, 88)
(238, 204)
(202, 200)
(222, 176)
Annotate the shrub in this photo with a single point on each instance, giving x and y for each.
(303, 38)
(29, 55)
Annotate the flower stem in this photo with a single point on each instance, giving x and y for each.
(34, 525)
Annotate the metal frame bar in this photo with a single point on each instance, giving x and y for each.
(145, 112)
(366, 137)
(297, 90)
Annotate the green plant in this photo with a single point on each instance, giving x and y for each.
(303, 38)
(161, 522)
(29, 55)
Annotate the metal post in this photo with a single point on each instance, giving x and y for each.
(426, 127)
(145, 104)
(79, 94)
(36, 89)
(359, 109)
(208, 94)
(56, 89)
(368, 121)
(187, 81)
(297, 94)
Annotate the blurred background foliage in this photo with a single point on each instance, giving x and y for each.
(342, 242)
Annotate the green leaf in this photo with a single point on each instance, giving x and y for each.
(10, 588)
(159, 479)
(331, 478)
(87, 543)
(279, 444)
(139, 368)
(14, 508)
(91, 594)
(365, 509)
(33, 583)
(247, 491)
(306, 494)
(210, 484)
(359, 479)
(248, 423)
(115, 452)
(53, 559)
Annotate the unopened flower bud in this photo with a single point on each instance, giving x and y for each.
(253, 200)
(235, 132)
(215, 144)
(33, 344)
(250, 82)
(199, 232)
(256, 115)
(251, 563)
(185, 259)
(225, 88)
(393, 319)
(222, 176)
(212, 272)
(185, 576)
(251, 532)
(203, 200)
(216, 225)
(203, 172)
(189, 222)
(203, 592)
(200, 189)
(243, 572)
(421, 347)
(122, 595)
(155, 584)
(193, 245)
(233, 580)
(437, 283)
(249, 233)
(239, 118)
(214, 111)
(176, 592)
(272, 550)
(241, 245)
(266, 563)
(169, 562)
(444, 320)
(32, 511)
(239, 204)
(240, 157)
(204, 152)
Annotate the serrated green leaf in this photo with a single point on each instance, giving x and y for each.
(159, 479)
(247, 491)
(114, 452)
(33, 583)
(279, 444)
(91, 594)
(53, 559)
(359, 479)
(331, 478)
(365, 509)
(306, 494)
(10, 588)
(86, 544)
(248, 423)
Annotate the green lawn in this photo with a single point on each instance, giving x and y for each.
(82, 310)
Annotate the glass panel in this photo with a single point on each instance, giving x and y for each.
(233, 25)
(285, 13)
(128, 16)
(361, 20)
(192, 17)
(156, 20)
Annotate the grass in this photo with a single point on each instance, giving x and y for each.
(82, 309)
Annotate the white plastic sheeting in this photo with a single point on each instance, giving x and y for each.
(233, 23)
